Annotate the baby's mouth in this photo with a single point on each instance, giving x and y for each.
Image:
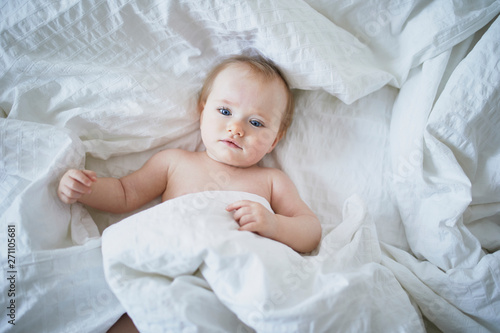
(231, 143)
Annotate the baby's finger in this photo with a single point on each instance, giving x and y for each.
(64, 198)
(77, 187)
(241, 212)
(80, 177)
(69, 194)
(90, 174)
(238, 204)
(245, 219)
(252, 227)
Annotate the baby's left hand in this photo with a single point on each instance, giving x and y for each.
(252, 216)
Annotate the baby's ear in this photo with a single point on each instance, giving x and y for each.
(201, 106)
(278, 138)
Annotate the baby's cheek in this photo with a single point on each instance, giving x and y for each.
(260, 148)
(265, 141)
(267, 137)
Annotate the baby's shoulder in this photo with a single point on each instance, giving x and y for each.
(274, 175)
(174, 153)
(170, 157)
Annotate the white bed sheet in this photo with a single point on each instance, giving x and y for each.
(257, 283)
(386, 109)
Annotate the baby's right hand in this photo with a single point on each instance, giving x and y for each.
(74, 184)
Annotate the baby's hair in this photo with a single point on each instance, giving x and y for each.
(261, 66)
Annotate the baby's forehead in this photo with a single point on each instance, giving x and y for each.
(248, 72)
(252, 71)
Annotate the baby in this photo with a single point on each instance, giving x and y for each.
(245, 108)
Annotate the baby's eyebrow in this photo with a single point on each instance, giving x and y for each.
(228, 102)
(262, 114)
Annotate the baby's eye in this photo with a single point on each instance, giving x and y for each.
(224, 111)
(256, 123)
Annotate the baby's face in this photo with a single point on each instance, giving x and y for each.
(241, 117)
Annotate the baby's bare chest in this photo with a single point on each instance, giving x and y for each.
(192, 178)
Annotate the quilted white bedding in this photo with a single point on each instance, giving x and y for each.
(395, 145)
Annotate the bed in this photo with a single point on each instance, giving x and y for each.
(395, 145)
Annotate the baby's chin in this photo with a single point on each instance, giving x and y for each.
(238, 161)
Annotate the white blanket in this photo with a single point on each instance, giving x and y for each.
(397, 103)
(150, 257)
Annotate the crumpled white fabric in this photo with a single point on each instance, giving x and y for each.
(155, 263)
(446, 159)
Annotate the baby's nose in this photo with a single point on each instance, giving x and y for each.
(235, 128)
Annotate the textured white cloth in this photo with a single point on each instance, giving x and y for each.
(149, 259)
(397, 103)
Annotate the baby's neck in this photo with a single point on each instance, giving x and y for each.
(218, 164)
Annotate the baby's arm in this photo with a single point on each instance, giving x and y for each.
(116, 195)
(293, 223)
